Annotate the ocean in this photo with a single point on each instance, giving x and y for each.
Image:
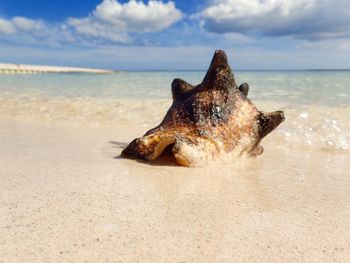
(316, 103)
(327, 88)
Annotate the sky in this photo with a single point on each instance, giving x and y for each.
(177, 34)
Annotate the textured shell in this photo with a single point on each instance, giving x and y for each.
(207, 121)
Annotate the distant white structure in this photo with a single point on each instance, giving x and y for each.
(32, 69)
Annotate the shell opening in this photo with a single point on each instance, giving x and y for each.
(160, 148)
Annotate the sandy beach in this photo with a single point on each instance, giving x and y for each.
(7, 68)
(65, 197)
(240, 107)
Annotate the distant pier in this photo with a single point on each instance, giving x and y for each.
(34, 69)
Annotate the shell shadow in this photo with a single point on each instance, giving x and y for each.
(120, 145)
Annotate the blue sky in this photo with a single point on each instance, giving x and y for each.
(180, 34)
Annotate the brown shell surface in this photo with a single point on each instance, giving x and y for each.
(206, 121)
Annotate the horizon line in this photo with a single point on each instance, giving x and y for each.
(200, 70)
(21, 66)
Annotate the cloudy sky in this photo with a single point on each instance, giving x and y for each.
(178, 34)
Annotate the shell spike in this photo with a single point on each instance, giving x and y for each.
(179, 88)
(219, 74)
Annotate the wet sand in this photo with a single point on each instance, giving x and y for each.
(65, 197)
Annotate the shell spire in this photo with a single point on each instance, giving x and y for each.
(219, 74)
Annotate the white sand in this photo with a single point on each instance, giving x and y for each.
(64, 197)
(25, 69)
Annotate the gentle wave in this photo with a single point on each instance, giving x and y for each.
(311, 126)
(315, 127)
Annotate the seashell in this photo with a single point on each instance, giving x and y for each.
(207, 122)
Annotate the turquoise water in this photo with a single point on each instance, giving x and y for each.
(331, 88)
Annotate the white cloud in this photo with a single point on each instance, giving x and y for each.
(6, 27)
(25, 24)
(90, 28)
(136, 16)
(30, 31)
(305, 19)
(112, 20)
(18, 25)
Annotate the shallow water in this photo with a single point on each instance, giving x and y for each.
(331, 88)
(316, 103)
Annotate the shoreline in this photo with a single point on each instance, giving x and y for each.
(38, 69)
(307, 126)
